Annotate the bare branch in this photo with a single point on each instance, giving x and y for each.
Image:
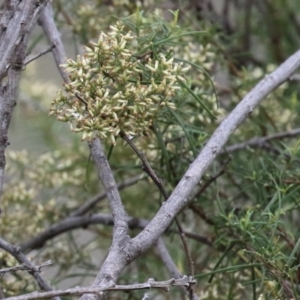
(25, 267)
(167, 259)
(146, 296)
(199, 190)
(39, 55)
(10, 8)
(295, 77)
(110, 186)
(74, 223)
(16, 24)
(53, 35)
(120, 252)
(88, 205)
(151, 284)
(118, 255)
(21, 258)
(261, 141)
(146, 166)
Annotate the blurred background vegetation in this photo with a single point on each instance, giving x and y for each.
(242, 226)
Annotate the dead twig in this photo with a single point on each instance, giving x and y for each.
(26, 267)
(39, 55)
(77, 291)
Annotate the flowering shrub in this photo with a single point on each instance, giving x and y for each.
(114, 90)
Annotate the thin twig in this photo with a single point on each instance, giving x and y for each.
(295, 77)
(39, 55)
(201, 190)
(77, 291)
(201, 214)
(82, 100)
(261, 141)
(146, 166)
(186, 248)
(89, 204)
(200, 238)
(25, 267)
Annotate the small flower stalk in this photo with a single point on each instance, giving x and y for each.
(113, 90)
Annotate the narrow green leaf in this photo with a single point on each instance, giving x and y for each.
(229, 269)
(187, 134)
(292, 256)
(182, 83)
(221, 259)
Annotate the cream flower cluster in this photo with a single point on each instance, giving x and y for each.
(111, 90)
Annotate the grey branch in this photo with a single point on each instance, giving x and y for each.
(53, 35)
(261, 141)
(167, 259)
(88, 205)
(72, 223)
(25, 267)
(295, 77)
(16, 25)
(21, 258)
(151, 284)
(146, 296)
(169, 263)
(110, 186)
(120, 252)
